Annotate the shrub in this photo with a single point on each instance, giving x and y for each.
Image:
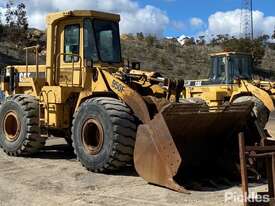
(254, 47)
(150, 40)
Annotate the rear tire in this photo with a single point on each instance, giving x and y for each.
(103, 134)
(19, 126)
(259, 109)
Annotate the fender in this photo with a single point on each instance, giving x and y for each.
(123, 91)
(129, 96)
(262, 95)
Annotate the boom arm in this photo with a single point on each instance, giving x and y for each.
(262, 95)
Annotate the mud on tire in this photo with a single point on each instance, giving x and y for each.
(103, 134)
(19, 126)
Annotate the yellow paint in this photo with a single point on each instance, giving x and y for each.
(217, 94)
(61, 87)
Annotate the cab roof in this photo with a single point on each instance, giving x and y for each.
(53, 17)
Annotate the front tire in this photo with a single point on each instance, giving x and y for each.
(103, 134)
(19, 126)
(259, 109)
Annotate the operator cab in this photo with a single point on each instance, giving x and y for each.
(79, 40)
(230, 66)
(96, 38)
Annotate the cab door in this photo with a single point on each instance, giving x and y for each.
(69, 59)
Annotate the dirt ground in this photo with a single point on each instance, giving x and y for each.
(54, 177)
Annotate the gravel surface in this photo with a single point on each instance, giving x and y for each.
(54, 177)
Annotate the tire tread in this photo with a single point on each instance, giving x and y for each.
(32, 142)
(124, 132)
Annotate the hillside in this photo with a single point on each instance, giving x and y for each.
(166, 56)
(169, 57)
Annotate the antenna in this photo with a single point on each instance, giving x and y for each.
(247, 30)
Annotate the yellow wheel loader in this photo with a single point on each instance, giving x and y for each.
(231, 80)
(108, 112)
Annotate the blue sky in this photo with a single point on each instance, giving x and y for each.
(183, 10)
(164, 17)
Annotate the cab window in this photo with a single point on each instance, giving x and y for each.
(218, 69)
(240, 67)
(71, 42)
(90, 51)
(108, 41)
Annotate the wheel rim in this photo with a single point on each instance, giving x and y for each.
(11, 126)
(92, 136)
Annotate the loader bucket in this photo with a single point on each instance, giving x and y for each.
(182, 136)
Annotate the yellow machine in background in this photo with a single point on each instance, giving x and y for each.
(231, 80)
(108, 112)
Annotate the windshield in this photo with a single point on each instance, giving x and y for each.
(240, 67)
(218, 69)
(90, 51)
(102, 41)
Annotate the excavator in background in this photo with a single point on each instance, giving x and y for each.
(111, 114)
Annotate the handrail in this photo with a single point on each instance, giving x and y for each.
(56, 74)
(36, 58)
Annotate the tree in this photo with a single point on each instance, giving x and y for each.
(9, 14)
(201, 40)
(16, 22)
(140, 36)
(189, 41)
(273, 36)
(21, 16)
(150, 40)
(254, 47)
(264, 39)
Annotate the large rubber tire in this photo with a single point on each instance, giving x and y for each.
(259, 109)
(19, 126)
(69, 141)
(118, 126)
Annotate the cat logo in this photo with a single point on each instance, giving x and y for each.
(24, 75)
